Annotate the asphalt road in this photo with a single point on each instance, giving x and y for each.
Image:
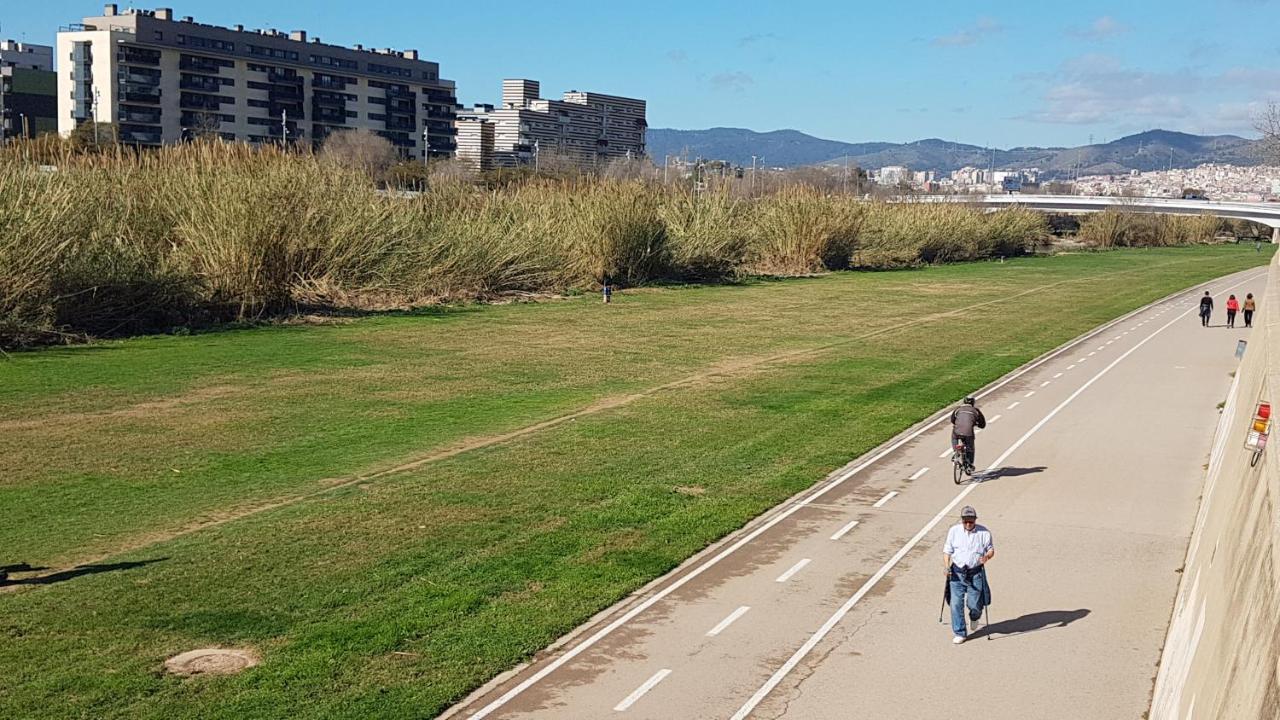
(827, 607)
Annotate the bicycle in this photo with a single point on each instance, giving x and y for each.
(960, 461)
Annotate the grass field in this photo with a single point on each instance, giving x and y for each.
(395, 508)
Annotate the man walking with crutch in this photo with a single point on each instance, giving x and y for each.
(968, 549)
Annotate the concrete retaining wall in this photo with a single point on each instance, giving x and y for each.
(1222, 655)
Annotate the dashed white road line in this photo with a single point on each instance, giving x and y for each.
(1095, 352)
(1055, 377)
(844, 530)
(1016, 404)
(640, 691)
(1044, 384)
(817, 637)
(1071, 367)
(919, 473)
(795, 569)
(728, 621)
(946, 452)
(740, 542)
(991, 420)
(885, 499)
(1033, 392)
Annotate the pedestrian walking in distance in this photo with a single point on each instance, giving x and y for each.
(1249, 306)
(1233, 306)
(1206, 309)
(606, 291)
(968, 549)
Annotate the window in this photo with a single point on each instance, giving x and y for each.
(335, 62)
(202, 42)
(158, 36)
(388, 70)
(273, 52)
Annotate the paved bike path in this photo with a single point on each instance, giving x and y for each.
(828, 607)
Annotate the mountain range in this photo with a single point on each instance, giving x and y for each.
(1151, 150)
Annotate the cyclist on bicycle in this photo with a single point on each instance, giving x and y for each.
(965, 420)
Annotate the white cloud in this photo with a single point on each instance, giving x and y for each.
(1104, 28)
(736, 81)
(984, 28)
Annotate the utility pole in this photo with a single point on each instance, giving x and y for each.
(536, 150)
(753, 175)
(666, 161)
(284, 127)
(845, 183)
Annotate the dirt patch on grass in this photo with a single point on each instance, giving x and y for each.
(142, 410)
(211, 661)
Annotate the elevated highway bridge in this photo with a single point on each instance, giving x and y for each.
(1261, 212)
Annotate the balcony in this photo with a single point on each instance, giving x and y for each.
(138, 56)
(140, 79)
(199, 102)
(294, 109)
(326, 99)
(328, 84)
(201, 66)
(285, 94)
(136, 94)
(330, 118)
(143, 117)
(200, 84)
(278, 78)
(140, 137)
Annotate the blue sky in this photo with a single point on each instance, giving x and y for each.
(988, 73)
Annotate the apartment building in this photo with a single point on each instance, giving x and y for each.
(164, 80)
(589, 128)
(28, 90)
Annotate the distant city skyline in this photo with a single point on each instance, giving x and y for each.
(981, 73)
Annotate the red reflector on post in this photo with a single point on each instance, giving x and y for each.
(1264, 410)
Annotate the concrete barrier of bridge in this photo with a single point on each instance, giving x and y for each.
(1221, 659)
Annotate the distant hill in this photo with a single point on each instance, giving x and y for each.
(1151, 150)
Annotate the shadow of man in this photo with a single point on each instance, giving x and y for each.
(71, 574)
(1034, 622)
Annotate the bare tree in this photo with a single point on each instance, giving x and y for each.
(1267, 123)
(360, 150)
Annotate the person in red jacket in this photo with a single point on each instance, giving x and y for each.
(1233, 306)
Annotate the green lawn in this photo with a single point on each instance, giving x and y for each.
(216, 479)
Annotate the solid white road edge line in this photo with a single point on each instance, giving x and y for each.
(728, 621)
(798, 505)
(640, 691)
(871, 582)
(844, 530)
(793, 570)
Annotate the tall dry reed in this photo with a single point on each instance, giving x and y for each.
(123, 242)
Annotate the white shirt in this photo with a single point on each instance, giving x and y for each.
(966, 547)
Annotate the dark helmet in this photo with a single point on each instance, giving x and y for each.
(969, 400)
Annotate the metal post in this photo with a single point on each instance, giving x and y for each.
(753, 175)
(94, 117)
(3, 127)
(284, 127)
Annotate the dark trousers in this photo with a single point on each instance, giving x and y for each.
(1204, 317)
(1231, 318)
(1248, 318)
(969, 448)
